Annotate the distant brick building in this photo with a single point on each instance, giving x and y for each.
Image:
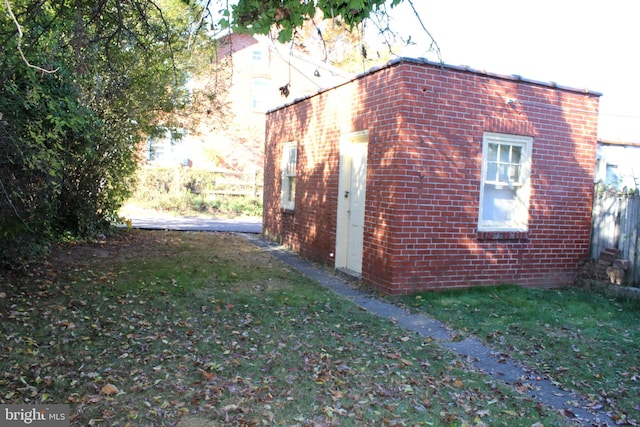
(420, 176)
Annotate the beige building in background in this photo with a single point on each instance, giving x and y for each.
(264, 74)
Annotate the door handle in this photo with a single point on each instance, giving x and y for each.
(346, 194)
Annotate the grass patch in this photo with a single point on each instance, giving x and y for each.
(193, 329)
(583, 340)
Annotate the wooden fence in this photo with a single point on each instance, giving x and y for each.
(232, 183)
(154, 181)
(616, 224)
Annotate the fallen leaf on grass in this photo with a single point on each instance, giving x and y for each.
(458, 383)
(109, 390)
(235, 408)
(207, 375)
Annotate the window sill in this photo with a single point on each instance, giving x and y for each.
(287, 211)
(519, 236)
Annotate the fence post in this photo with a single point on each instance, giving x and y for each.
(631, 237)
(254, 187)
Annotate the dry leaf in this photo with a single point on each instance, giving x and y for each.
(109, 390)
(208, 375)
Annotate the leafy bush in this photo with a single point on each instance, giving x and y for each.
(63, 168)
(105, 74)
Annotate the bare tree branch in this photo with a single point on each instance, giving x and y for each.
(19, 28)
(434, 45)
(204, 13)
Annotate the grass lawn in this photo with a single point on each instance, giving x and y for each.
(202, 329)
(584, 341)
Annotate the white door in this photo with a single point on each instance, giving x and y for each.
(351, 202)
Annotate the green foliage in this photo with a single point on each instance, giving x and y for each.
(188, 191)
(601, 188)
(258, 16)
(69, 139)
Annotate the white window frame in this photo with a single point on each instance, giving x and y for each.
(506, 174)
(288, 165)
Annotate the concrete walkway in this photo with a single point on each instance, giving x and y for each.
(153, 220)
(476, 353)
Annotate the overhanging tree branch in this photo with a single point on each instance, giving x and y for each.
(434, 45)
(19, 47)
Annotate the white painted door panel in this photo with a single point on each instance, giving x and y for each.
(356, 206)
(351, 202)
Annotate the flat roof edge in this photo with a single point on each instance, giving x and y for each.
(460, 68)
(513, 77)
(631, 143)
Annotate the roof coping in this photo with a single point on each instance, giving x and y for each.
(462, 68)
(466, 68)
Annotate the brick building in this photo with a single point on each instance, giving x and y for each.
(419, 176)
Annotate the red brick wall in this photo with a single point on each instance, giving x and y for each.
(426, 125)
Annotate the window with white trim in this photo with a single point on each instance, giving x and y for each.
(260, 95)
(288, 165)
(167, 147)
(256, 55)
(504, 194)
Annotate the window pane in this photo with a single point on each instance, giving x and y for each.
(504, 153)
(260, 101)
(514, 173)
(292, 160)
(612, 175)
(499, 204)
(492, 172)
(492, 153)
(516, 154)
(291, 196)
(504, 173)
